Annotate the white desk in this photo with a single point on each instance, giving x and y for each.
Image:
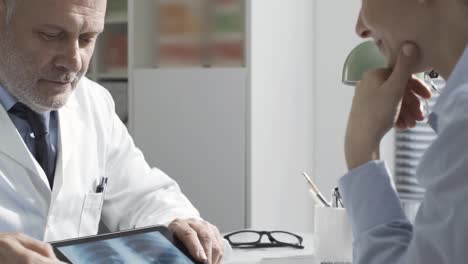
(274, 255)
(277, 255)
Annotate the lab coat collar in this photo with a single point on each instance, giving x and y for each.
(70, 132)
(72, 102)
(13, 146)
(6, 99)
(71, 128)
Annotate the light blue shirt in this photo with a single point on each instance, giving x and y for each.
(382, 233)
(24, 128)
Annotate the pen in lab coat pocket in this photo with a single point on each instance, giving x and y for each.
(102, 185)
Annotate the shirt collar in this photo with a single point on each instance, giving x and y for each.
(6, 99)
(458, 77)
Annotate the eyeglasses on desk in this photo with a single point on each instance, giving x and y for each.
(253, 239)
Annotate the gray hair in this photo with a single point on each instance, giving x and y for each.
(10, 9)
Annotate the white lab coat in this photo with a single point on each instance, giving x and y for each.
(92, 143)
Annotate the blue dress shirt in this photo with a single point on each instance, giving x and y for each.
(24, 129)
(382, 233)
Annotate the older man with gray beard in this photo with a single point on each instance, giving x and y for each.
(61, 140)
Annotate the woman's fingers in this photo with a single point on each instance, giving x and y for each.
(420, 88)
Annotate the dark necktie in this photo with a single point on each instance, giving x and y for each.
(44, 150)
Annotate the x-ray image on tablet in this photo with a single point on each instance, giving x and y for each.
(136, 247)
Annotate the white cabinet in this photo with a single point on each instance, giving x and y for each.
(191, 123)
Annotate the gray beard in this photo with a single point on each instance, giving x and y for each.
(19, 77)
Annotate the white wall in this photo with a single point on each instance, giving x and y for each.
(282, 127)
(191, 124)
(335, 38)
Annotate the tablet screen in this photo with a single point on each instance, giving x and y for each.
(150, 247)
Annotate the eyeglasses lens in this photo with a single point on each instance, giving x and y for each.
(285, 238)
(245, 237)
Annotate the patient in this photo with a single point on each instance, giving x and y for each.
(415, 36)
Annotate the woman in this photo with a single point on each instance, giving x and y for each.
(415, 36)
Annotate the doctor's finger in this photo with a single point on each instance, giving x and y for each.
(40, 247)
(206, 237)
(32, 244)
(15, 252)
(34, 257)
(189, 238)
(218, 250)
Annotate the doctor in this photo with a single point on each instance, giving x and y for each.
(60, 138)
(414, 35)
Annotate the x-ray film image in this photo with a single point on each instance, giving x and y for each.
(138, 248)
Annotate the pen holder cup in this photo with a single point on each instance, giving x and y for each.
(332, 235)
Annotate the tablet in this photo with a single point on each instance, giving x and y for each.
(144, 245)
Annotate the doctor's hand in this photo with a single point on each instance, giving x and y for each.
(21, 249)
(383, 99)
(201, 238)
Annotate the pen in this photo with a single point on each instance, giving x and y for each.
(339, 200)
(334, 199)
(316, 191)
(102, 185)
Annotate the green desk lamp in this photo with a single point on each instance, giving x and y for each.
(364, 57)
(367, 56)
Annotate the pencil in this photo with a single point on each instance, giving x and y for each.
(315, 190)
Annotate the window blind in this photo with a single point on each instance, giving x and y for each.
(410, 146)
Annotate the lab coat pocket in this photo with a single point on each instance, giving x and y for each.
(90, 214)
